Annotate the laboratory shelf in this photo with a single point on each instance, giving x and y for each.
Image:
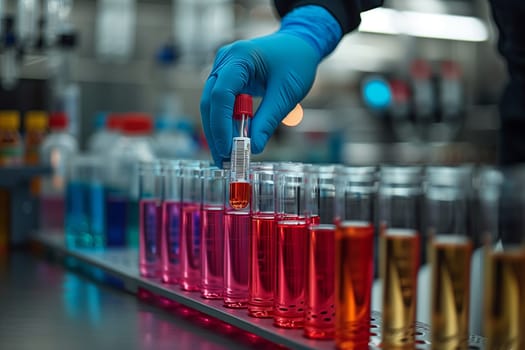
(122, 266)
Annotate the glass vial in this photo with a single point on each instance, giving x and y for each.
(320, 288)
(239, 184)
(354, 255)
(150, 219)
(449, 253)
(262, 241)
(85, 203)
(292, 233)
(503, 201)
(212, 233)
(171, 221)
(190, 253)
(237, 231)
(399, 199)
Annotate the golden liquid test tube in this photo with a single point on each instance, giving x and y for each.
(399, 263)
(504, 309)
(450, 257)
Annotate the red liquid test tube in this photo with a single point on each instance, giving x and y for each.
(190, 247)
(289, 304)
(212, 234)
(292, 234)
(150, 217)
(320, 288)
(237, 229)
(262, 241)
(171, 222)
(320, 295)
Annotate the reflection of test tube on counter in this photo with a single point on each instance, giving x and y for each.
(171, 221)
(190, 246)
(504, 303)
(262, 241)
(399, 213)
(150, 218)
(449, 252)
(292, 233)
(212, 233)
(240, 189)
(320, 289)
(354, 252)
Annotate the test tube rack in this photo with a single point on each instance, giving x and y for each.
(122, 266)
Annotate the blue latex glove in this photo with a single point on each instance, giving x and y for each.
(279, 67)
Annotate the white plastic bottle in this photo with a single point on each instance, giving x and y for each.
(56, 151)
(107, 134)
(173, 139)
(133, 146)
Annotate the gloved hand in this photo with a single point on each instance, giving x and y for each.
(279, 67)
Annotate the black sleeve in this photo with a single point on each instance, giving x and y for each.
(509, 16)
(347, 12)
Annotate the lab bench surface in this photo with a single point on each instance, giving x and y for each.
(44, 306)
(119, 267)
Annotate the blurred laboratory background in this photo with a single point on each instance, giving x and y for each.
(419, 81)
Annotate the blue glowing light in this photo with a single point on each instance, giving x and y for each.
(376, 93)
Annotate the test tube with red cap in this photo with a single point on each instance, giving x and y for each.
(240, 189)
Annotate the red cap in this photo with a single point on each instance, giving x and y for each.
(58, 121)
(421, 69)
(136, 124)
(450, 69)
(243, 106)
(400, 90)
(114, 121)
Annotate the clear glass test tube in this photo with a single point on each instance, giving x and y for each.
(320, 288)
(239, 184)
(171, 221)
(150, 219)
(262, 241)
(449, 254)
(354, 255)
(237, 231)
(190, 246)
(503, 202)
(212, 233)
(85, 219)
(399, 213)
(292, 233)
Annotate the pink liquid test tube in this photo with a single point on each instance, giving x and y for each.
(237, 229)
(171, 222)
(212, 233)
(262, 242)
(150, 184)
(291, 244)
(190, 246)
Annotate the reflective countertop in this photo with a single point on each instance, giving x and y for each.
(44, 306)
